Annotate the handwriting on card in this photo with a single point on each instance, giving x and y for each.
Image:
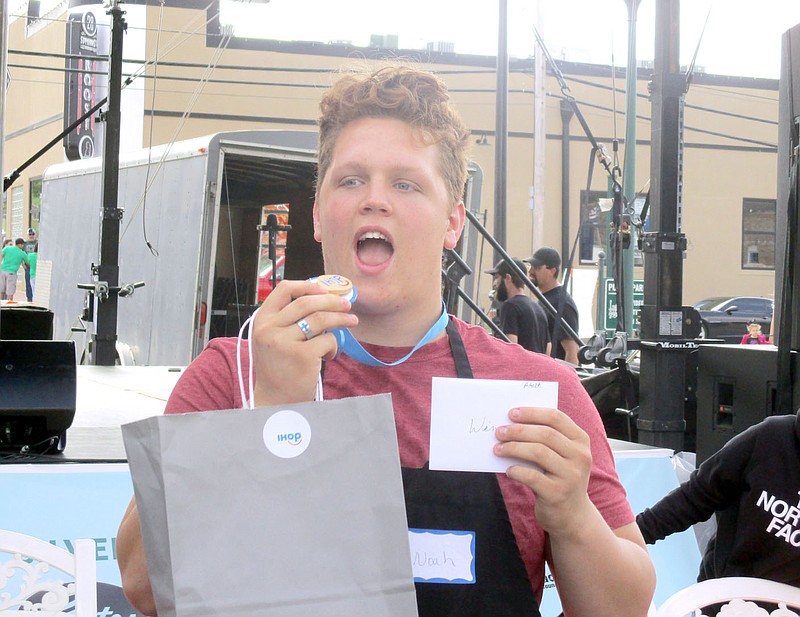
(481, 425)
(465, 414)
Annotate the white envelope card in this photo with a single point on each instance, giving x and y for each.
(466, 412)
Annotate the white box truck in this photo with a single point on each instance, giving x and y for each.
(205, 199)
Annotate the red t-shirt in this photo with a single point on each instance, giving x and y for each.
(211, 382)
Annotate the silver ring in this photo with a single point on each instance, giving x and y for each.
(305, 328)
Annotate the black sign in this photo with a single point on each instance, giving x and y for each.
(80, 84)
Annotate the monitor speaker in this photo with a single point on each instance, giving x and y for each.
(26, 322)
(736, 388)
(38, 391)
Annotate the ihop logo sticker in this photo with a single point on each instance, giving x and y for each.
(287, 434)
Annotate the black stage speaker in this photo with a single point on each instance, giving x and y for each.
(38, 389)
(26, 322)
(736, 388)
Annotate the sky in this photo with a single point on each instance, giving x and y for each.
(739, 39)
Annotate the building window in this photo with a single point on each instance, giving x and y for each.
(758, 234)
(594, 227)
(35, 213)
(17, 212)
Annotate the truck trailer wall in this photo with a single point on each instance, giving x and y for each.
(200, 217)
(157, 320)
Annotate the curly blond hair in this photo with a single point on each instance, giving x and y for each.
(404, 93)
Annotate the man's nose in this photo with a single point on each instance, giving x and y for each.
(377, 199)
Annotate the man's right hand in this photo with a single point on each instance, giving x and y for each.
(286, 359)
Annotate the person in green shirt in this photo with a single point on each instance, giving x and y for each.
(11, 258)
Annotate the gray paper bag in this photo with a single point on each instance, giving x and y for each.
(290, 511)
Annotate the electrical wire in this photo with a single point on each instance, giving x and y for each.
(690, 70)
(153, 251)
(184, 117)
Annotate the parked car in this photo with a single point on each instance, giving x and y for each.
(726, 317)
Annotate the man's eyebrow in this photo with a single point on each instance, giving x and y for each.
(359, 167)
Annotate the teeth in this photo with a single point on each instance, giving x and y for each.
(372, 235)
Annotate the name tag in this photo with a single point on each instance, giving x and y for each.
(442, 556)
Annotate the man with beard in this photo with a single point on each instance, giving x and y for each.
(545, 265)
(522, 320)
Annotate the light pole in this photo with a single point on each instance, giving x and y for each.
(501, 129)
(629, 163)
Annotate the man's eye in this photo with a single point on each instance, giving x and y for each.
(350, 182)
(405, 186)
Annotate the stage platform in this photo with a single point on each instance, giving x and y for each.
(107, 397)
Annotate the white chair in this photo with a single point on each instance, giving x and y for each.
(27, 583)
(736, 594)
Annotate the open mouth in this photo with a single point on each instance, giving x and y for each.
(374, 249)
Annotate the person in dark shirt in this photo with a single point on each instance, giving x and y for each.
(545, 266)
(30, 247)
(751, 485)
(522, 320)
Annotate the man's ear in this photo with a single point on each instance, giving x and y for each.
(315, 216)
(455, 225)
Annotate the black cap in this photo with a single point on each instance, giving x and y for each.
(502, 268)
(545, 256)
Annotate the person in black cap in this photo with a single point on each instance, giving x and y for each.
(30, 247)
(522, 320)
(545, 265)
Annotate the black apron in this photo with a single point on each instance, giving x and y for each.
(464, 501)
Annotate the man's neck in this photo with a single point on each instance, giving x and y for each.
(548, 286)
(394, 329)
(516, 291)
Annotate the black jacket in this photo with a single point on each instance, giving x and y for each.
(753, 486)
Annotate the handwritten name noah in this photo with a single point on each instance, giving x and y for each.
(424, 558)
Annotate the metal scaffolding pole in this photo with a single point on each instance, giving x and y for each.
(664, 344)
(107, 272)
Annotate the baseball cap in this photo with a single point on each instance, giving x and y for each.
(31, 230)
(502, 268)
(545, 256)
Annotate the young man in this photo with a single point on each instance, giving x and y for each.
(11, 258)
(545, 265)
(522, 320)
(392, 171)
